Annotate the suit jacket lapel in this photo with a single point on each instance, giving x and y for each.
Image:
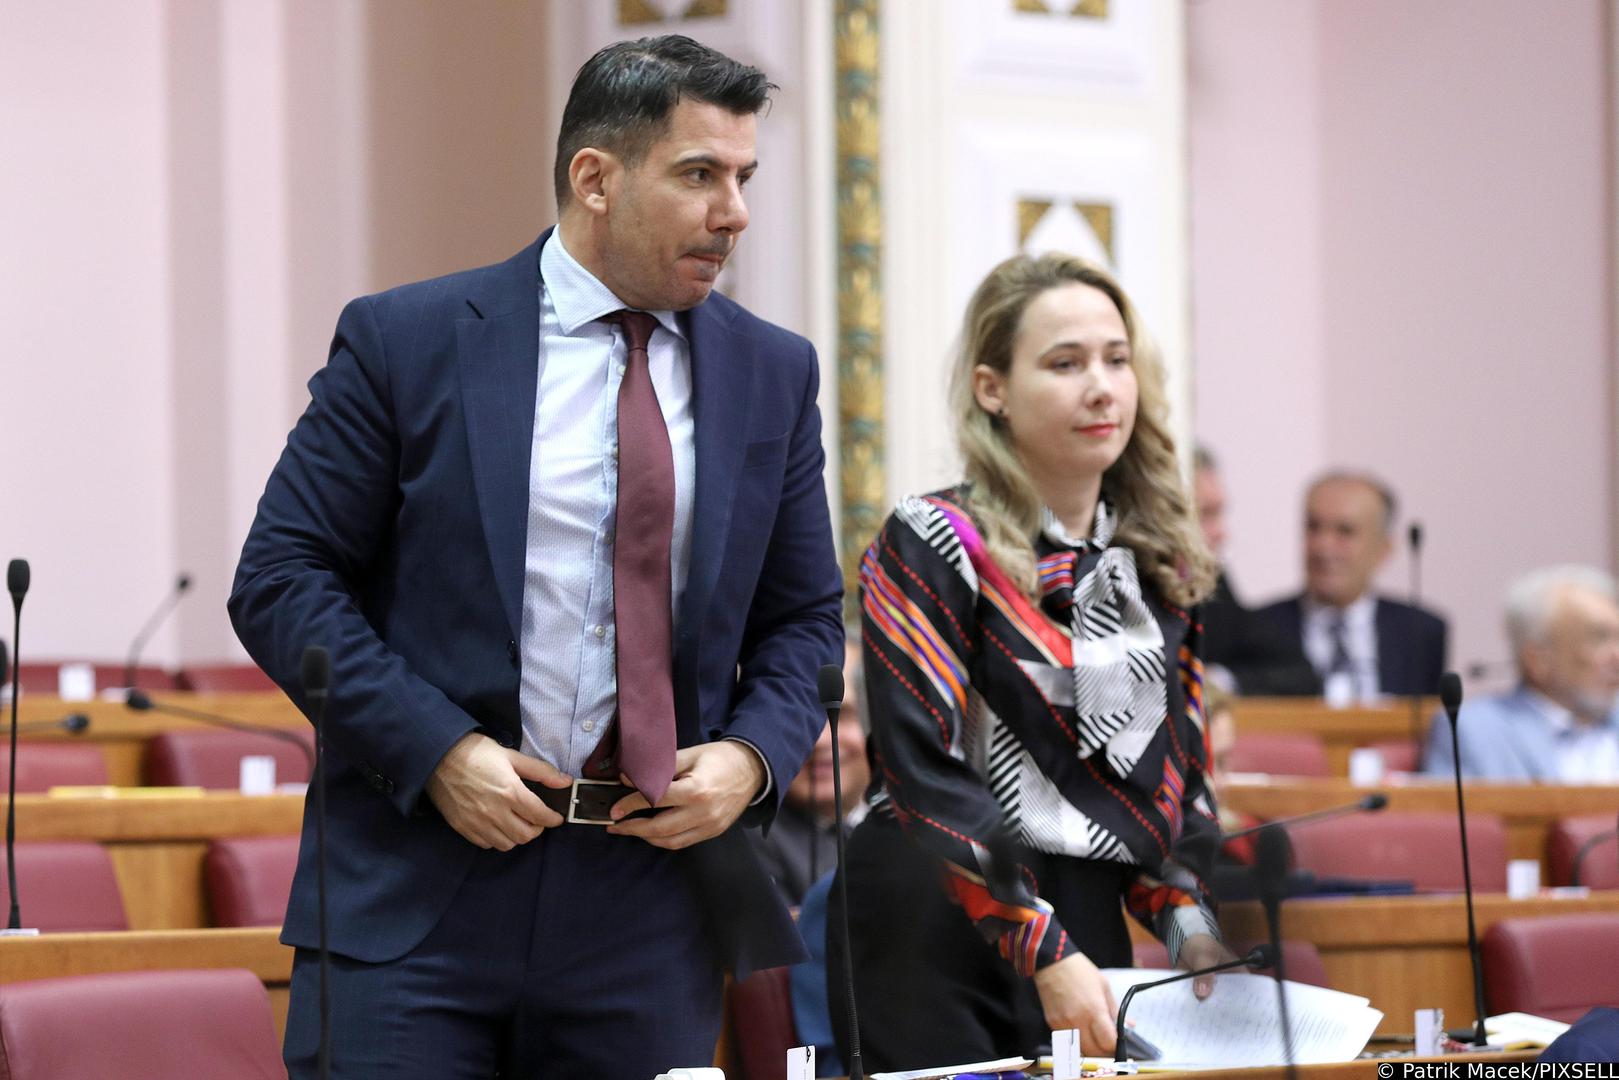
(1393, 653)
(498, 358)
(721, 376)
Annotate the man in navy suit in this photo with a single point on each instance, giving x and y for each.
(451, 520)
(1561, 725)
(1362, 645)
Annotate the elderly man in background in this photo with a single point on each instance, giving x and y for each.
(1562, 722)
(1363, 646)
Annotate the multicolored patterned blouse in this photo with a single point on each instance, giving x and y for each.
(1058, 727)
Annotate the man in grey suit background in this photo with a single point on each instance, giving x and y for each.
(1562, 722)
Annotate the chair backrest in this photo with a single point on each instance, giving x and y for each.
(1301, 959)
(42, 676)
(66, 885)
(1424, 849)
(1552, 966)
(139, 1025)
(223, 678)
(1399, 755)
(761, 1018)
(1280, 754)
(1592, 834)
(250, 878)
(213, 759)
(44, 765)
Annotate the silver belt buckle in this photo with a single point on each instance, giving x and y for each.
(573, 802)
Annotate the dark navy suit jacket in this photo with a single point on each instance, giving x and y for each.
(1410, 642)
(393, 532)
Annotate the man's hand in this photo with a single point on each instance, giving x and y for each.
(478, 787)
(713, 784)
(1075, 994)
(1201, 951)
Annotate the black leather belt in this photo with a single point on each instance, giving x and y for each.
(587, 802)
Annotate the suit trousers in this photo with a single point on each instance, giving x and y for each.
(579, 954)
(931, 990)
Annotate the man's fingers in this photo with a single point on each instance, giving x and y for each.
(629, 804)
(1103, 1037)
(532, 768)
(1203, 986)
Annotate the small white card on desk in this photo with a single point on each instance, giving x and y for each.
(801, 1063)
(1430, 1025)
(76, 682)
(1066, 1064)
(258, 775)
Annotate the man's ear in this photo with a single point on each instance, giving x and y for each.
(591, 174)
(989, 387)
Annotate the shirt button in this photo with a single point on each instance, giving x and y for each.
(600, 631)
(589, 725)
(615, 452)
(608, 536)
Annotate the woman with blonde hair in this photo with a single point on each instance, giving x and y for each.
(1034, 692)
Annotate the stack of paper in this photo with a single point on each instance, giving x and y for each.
(1239, 1025)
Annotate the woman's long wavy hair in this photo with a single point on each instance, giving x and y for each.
(1152, 508)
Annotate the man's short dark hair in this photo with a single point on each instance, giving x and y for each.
(621, 98)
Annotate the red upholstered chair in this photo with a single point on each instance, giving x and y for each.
(1279, 754)
(223, 678)
(139, 1025)
(761, 1009)
(44, 765)
(250, 878)
(1301, 959)
(66, 885)
(1399, 755)
(213, 759)
(41, 676)
(1594, 835)
(1425, 849)
(1558, 966)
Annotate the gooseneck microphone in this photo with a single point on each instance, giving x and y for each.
(829, 684)
(1260, 956)
(1413, 535)
(136, 647)
(141, 701)
(1367, 804)
(1585, 850)
(315, 674)
(17, 580)
(1450, 695)
(1273, 854)
(73, 723)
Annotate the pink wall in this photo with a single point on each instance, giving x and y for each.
(1450, 270)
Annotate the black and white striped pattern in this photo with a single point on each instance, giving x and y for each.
(931, 525)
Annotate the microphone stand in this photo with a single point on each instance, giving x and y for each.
(1414, 536)
(832, 701)
(1258, 957)
(17, 580)
(136, 647)
(1450, 693)
(140, 701)
(1274, 854)
(316, 678)
(1585, 850)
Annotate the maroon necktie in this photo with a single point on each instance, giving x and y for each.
(641, 584)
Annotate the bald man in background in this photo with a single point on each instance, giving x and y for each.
(1363, 646)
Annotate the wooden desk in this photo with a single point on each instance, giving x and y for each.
(1527, 810)
(1341, 730)
(121, 733)
(1403, 952)
(51, 955)
(158, 844)
(1354, 1070)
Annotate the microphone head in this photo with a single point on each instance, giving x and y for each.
(1273, 851)
(829, 684)
(316, 671)
(17, 579)
(76, 723)
(1374, 802)
(1413, 533)
(183, 583)
(1260, 956)
(1450, 693)
(137, 700)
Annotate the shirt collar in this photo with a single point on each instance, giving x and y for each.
(577, 296)
(1361, 612)
(1562, 721)
(1101, 529)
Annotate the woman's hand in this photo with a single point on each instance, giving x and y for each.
(1201, 951)
(1075, 994)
